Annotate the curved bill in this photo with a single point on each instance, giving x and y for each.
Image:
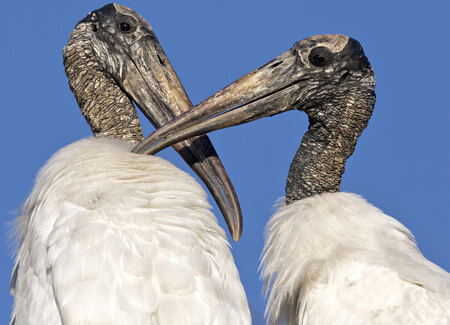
(287, 82)
(266, 91)
(152, 83)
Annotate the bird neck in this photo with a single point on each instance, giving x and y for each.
(320, 160)
(107, 109)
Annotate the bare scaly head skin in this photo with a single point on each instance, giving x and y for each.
(339, 102)
(327, 76)
(113, 59)
(107, 109)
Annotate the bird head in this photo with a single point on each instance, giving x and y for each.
(112, 59)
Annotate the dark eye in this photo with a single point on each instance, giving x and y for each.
(321, 56)
(125, 27)
(318, 60)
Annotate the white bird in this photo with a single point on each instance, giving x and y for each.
(329, 257)
(111, 237)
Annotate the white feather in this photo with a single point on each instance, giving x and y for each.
(112, 237)
(336, 259)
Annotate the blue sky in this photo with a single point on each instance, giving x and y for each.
(400, 163)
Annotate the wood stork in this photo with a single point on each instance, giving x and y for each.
(329, 257)
(111, 237)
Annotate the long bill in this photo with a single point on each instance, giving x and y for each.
(269, 90)
(154, 86)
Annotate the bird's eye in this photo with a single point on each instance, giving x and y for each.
(321, 56)
(125, 27)
(318, 60)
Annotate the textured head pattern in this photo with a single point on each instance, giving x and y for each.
(339, 98)
(89, 62)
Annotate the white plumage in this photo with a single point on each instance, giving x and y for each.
(111, 237)
(329, 257)
(335, 259)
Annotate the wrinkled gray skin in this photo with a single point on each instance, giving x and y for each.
(91, 62)
(113, 58)
(327, 76)
(339, 105)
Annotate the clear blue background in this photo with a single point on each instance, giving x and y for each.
(401, 163)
